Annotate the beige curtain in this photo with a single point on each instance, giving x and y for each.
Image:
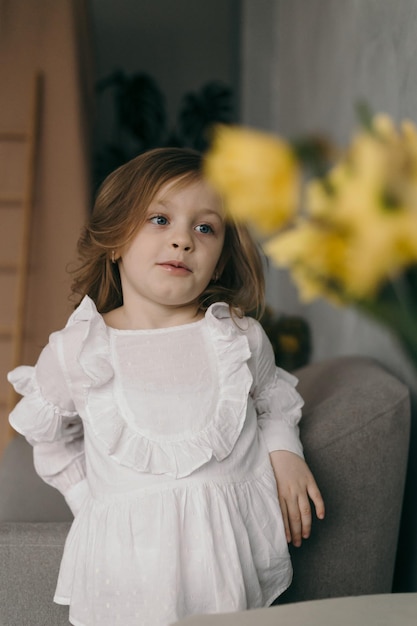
(51, 36)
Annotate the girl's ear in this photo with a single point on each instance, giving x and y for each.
(114, 256)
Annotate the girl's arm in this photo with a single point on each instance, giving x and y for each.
(279, 406)
(47, 417)
(61, 464)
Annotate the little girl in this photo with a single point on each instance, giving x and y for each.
(159, 413)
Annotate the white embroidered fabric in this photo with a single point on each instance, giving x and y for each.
(157, 371)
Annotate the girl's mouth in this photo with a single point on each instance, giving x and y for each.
(175, 267)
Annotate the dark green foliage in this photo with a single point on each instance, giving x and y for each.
(212, 105)
(141, 119)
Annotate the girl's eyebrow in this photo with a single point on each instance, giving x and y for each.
(161, 202)
(211, 212)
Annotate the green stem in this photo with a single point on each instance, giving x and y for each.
(399, 316)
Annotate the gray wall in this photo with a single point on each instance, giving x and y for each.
(305, 63)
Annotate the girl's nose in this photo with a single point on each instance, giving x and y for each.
(185, 247)
(182, 240)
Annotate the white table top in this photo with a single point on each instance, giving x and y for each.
(377, 610)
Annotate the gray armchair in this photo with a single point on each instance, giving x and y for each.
(355, 431)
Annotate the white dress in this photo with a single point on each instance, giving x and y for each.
(159, 441)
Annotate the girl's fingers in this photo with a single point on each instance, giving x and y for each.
(284, 512)
(295, 522)
(305, 513)
(317, 500)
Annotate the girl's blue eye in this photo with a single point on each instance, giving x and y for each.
(160, 220)
(205, 229)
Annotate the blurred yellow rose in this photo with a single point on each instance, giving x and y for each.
(371, 196)
(258, 175)
(316, 257)
(353, 239)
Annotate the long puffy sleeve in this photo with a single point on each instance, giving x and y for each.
(278, 404)
(47, 418)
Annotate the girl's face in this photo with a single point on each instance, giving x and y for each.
(174, 255)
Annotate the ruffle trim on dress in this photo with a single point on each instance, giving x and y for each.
(131, 447)
(280, 398)
(35, 417)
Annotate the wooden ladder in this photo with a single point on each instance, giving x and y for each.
(16, 209)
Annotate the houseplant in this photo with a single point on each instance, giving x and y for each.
(343, 221)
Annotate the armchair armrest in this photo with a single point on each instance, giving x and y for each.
(355, 430)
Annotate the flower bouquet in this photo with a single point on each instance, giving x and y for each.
(343, 222)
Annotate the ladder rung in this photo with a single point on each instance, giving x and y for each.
(5, 401)
(8, 268)
(6, 332)
(13, 135)
(11, 198)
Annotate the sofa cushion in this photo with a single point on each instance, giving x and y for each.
(30, 555)
(24, 497)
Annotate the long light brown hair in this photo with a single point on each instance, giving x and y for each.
(119, 211)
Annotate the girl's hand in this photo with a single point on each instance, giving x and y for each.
(296, 485)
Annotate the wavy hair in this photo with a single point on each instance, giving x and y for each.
(119, 212)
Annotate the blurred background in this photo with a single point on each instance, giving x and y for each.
(119, 76)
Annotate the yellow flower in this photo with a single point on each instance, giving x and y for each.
(341, 265)
(359, 226)
(258, 175)
(371, 197)
(316, 257)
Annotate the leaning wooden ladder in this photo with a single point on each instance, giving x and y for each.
(12, 330)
